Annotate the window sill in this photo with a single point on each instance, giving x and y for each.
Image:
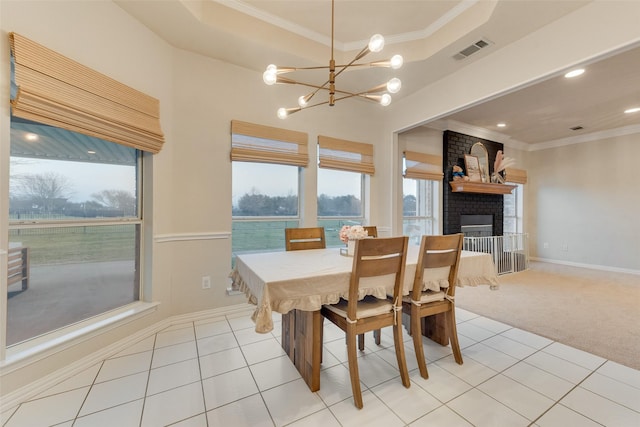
(44, 346)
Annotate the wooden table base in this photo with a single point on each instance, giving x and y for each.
(433, 327)
(302, 341)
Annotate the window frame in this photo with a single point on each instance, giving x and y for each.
(294, 219)
(332, 236)
(518, 218)
(434, 203)
(138, 283)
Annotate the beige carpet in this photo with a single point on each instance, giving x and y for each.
(592, 310)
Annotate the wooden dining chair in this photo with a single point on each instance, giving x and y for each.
(435, 252)
(372, 230)
(373, 257)
(304, 238)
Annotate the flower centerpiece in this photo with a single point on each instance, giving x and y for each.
(349, 234)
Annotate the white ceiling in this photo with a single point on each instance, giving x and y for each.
(255, 33)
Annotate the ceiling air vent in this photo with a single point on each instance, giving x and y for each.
(469, 50)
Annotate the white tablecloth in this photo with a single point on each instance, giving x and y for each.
(305, 280)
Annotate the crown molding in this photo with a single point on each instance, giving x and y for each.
(595, 136)
(483, 133)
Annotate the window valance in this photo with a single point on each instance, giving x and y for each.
(345, 155)
(257, 143)
(423, 166)
(57, 91)
(517, 176)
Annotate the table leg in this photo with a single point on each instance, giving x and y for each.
(433, 327)
(302, 341)
(288, 333)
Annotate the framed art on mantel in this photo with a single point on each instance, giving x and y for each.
(473, 168)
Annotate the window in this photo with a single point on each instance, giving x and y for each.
(340, 202)
(75, 207)
(513, 202)
(342, 166)
(513, 210)
(419, 208)
(420, 194)
(265, 185)
(265, 202)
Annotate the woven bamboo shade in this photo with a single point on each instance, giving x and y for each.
(517, 176)
(257, 143)
(57, 91)
(345, 155)
(423, 166)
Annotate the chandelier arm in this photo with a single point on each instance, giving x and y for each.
(316, 87)
(362, 53)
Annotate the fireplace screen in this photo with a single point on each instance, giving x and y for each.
(476, 225)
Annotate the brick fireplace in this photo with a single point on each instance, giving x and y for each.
(456, 205)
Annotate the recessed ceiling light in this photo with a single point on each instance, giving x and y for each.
(632, 110)
(31, 137)
(501, 125)
(574, 73)
(91, 152)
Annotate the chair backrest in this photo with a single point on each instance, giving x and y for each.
(377, 257)
(304, 238)
(438, 252)
(372, 230)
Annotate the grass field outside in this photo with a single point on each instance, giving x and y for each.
(76, 244)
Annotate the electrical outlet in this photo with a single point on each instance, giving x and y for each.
(564, 247)
(545, 245)
(206, 282)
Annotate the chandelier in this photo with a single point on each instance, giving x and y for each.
(380, 93)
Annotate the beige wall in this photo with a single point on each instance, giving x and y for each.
(586, 202)
(191, 187)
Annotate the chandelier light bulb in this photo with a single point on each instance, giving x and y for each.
(396, 61)
(303, 101)
(282, 113)
(376, 43)
(269, 77)
(394, 85)
(385, 99)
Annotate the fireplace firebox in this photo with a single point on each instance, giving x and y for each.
(476, 225)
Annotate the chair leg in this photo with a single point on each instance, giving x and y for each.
(399, 345)
(321, 337)
(416, 334)
(376, 335)
(353, 369)
(453, 335)
(361, 342)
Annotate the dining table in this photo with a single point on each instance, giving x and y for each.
(297, 283)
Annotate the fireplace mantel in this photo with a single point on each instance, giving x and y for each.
(480, 187)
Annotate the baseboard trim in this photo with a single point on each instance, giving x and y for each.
(31, 390)
(590, 266)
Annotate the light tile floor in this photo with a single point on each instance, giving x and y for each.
(220, 372)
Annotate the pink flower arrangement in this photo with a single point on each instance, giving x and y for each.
(352, 232)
